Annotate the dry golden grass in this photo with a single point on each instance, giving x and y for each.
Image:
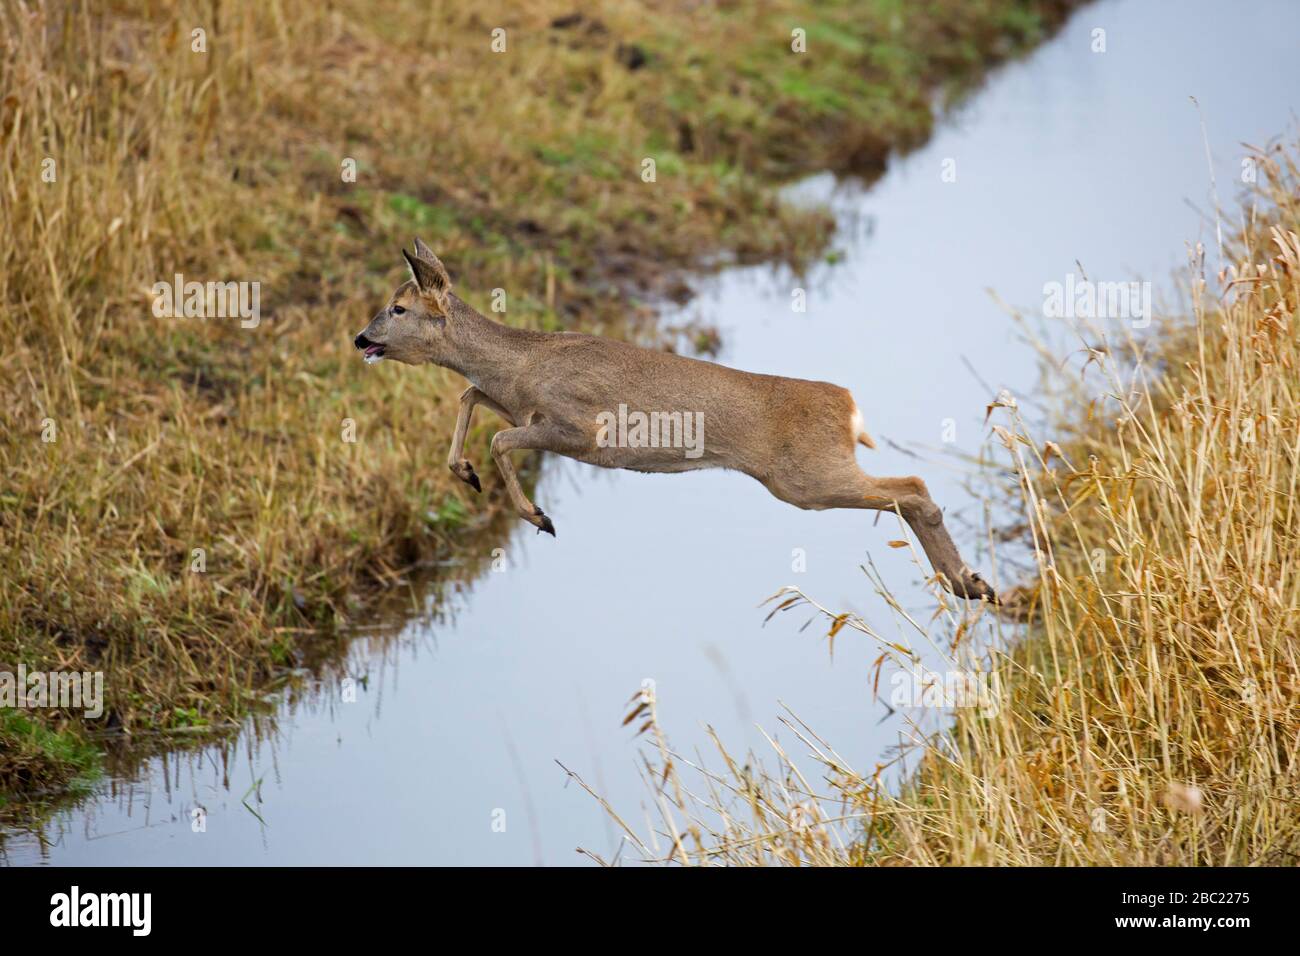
(1150, 712)
(522, 169)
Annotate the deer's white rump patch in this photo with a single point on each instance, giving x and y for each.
(859, 429)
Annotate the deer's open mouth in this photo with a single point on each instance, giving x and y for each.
(372, 351)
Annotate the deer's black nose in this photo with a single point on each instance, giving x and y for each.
(362, 342)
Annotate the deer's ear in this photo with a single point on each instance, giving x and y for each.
(422, 251)
(429, 274)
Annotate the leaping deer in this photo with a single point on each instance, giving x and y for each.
(559, 391)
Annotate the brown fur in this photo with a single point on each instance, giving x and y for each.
(797, 437)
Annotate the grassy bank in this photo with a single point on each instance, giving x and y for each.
(1152, 717)
(1148, 714)
(182, 507)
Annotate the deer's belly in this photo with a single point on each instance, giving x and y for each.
(655, 460)
(649, 441)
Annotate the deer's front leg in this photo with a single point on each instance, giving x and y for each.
(456, 460)
(543, 436)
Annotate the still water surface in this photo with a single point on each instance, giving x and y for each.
(1068, 155)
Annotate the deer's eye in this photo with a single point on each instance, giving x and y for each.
(398, 310)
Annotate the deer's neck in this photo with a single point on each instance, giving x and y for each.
(489, 354)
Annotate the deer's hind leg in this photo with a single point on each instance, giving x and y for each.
(845, 485)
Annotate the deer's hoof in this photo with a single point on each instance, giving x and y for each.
(465, 472)
(541, 522)
(975, 588)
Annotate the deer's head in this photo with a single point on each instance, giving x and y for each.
(412, 327)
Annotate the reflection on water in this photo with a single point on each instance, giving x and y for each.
(448, 752)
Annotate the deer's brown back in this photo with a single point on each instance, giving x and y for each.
(751, 422)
